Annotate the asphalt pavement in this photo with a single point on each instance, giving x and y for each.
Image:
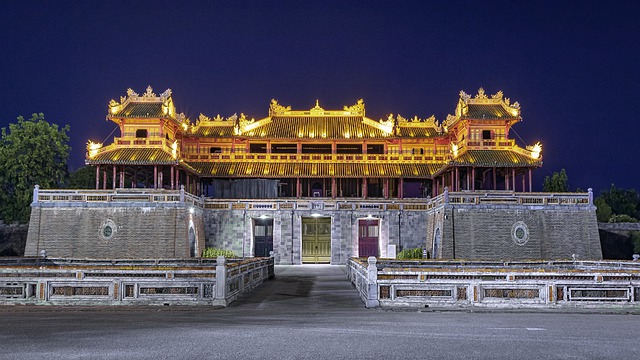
(310, 312)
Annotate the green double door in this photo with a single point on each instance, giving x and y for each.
(316, 240)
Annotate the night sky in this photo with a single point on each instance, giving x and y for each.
(573, 66)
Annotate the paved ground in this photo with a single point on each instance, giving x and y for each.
(310, 312)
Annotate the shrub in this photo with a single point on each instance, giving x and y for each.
(622, 218)
(410, 254)
(635, 238)
(214, 253)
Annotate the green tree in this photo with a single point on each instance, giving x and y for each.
(558, 182)
(603, 210)
(31, 152)
(622, 201)
(83, 178)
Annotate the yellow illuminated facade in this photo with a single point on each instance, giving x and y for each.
(315, 152)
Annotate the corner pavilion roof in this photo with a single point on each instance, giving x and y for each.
(497, 158)
(133, 156)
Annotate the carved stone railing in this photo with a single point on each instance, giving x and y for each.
(42, 281)
(469, 198)
(535, 284)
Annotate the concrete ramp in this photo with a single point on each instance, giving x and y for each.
(303, 289)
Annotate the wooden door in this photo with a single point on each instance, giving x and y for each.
(262, 237)
(316, 240)
(368, 234)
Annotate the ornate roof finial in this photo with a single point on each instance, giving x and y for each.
(357, 108)
(149, 92)
(481, 94)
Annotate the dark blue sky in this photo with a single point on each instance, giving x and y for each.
(573, 66)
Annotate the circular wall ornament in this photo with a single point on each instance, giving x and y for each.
(108, 229)
(520, 233)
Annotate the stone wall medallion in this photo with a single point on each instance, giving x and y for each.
(520, 233)
(108, 229)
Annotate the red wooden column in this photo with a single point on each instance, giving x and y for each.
(524, 186)
(513, 178)
(495, 185)
(173, 175)
(298, 187)
(364, 188)
(401, 188)
(97, 177)
(122, 177)
(385, 189)
(530, 187)
(113, 182)
(457, 180)
(334, 188)
(473, 178)
(161, 178)
(104, 179)
(134, 182)
(155, 176)
(506, 180)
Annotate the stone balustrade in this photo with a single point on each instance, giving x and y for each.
(522, 284)
(44, 281)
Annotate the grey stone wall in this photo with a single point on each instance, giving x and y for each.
(138, 230)
(487, 232)
(232, 230)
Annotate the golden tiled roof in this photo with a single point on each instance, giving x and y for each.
(133, 156)
(316, 127)
(343, 170)
(214, 131)
(498, 158)
(489, 111)
(148, 109)
(417, 132)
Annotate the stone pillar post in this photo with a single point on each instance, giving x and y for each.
(446, 195)
(181, 193)
(372, 283)
(221, 282)
(590, 190)
(37, 188)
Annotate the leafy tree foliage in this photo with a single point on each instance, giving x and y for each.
(83, 178)
(558, 182)
(622, 202)
(603, 210)
(31, 152)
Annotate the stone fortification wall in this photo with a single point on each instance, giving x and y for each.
(519, 232)
(232, 230)
(114, 230)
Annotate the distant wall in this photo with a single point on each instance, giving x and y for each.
(616, 240)
(13, 239)
(115, 230)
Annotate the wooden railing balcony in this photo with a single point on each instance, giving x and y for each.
(320, 158)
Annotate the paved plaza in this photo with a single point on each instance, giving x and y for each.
(311, 312)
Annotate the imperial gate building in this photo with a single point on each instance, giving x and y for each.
(318, 186)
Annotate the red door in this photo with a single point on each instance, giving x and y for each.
(368, 233)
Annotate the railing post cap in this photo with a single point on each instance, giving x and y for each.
(221, 260)
(372, 260)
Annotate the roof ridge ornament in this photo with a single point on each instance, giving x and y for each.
(357, 108)
(316, 109)
(276, 109)
(481, 94)
(149, 92)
